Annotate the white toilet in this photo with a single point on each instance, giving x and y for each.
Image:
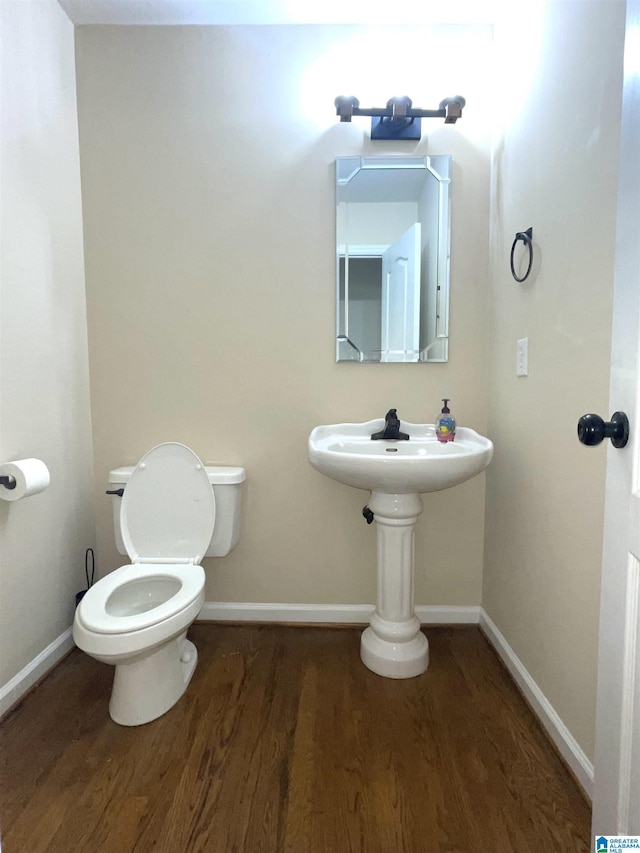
(174, 511)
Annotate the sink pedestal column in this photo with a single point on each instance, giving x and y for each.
(393, 644)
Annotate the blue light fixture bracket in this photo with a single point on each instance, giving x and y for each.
(384, 127)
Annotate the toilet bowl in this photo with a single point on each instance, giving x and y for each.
(136, 618)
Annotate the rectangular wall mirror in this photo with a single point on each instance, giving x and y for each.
(392, 257)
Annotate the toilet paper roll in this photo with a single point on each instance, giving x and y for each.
(31, 476)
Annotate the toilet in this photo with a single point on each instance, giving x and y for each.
(169, 512)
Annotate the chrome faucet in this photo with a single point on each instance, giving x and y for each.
(391, 431)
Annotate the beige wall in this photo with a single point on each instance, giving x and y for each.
(43, 333)
(208, 192)
(207, 166)
(554, 168)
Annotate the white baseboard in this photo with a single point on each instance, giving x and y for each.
(566, 744)
(329, 614)
(436, 614)
(16, 688)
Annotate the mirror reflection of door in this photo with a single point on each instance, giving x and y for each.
(400, 333)
(399, 206)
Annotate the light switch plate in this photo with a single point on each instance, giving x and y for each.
(522, 357)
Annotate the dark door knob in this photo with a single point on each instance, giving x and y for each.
(592, 429)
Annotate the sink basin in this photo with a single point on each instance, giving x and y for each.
(346, 453)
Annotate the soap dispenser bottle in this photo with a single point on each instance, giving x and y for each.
(445, 424)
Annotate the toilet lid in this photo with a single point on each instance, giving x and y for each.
(168, 507)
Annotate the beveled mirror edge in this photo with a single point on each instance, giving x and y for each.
(440, 166)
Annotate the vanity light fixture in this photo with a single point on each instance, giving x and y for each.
(399, 119)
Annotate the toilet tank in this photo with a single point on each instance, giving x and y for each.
(226, 482)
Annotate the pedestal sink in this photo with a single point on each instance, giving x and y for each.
(396, 472)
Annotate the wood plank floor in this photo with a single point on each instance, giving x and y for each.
(284, 741)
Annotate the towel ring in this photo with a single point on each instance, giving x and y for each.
(527, 239)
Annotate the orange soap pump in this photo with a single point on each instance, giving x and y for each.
(445, 423)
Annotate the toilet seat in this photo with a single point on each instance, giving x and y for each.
(168, 508)
(167, 520)
(94, 607)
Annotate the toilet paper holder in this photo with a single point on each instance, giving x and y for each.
(23, 478)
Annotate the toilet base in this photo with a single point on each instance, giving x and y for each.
(146, 688)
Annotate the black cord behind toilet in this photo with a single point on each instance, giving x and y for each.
(90, 578)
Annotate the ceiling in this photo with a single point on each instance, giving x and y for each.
(230, 12)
